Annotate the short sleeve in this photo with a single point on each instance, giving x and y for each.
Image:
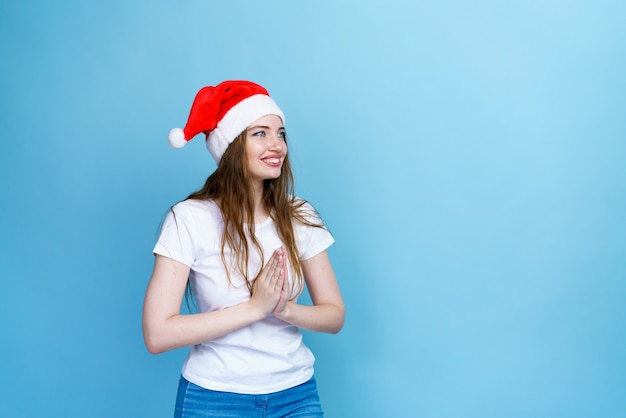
(176, 240)
(312, 239)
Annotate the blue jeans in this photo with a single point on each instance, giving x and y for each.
(301, 401)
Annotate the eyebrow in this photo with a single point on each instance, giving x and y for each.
(264, 127)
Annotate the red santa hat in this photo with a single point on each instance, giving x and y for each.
(222, 113)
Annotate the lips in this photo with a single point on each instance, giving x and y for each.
(273, 161)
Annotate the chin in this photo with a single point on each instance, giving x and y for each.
(274, 174)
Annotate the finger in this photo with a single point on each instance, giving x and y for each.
(280, 278)
(271, 266)
(276, 263)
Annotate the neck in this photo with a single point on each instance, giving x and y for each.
(260, 211)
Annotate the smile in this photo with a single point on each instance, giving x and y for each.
(272, 161)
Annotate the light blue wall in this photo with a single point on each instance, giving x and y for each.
(468, 157)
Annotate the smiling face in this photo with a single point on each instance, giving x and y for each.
(266, 148)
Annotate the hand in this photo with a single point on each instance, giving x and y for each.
(282, 302)
(267, 289)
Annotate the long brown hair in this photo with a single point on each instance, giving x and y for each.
(230, 186)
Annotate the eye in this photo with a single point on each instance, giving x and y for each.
(283, 135)
(259, 133)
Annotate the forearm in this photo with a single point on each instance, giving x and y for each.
(164, 328)
(184, 330)
(320, 318)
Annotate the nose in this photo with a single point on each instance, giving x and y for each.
(277, 143)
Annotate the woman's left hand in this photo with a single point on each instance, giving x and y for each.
(282, 302)
(328, 312)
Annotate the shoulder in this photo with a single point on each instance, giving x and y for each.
(193, 205)
(306, 213)
(313, 234)
(196, 210)
(303, 205)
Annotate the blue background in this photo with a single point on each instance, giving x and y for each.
(467, 156)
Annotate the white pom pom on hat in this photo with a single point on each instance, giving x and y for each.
(176, 138)
(222, 112)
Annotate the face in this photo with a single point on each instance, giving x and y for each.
(266, 148)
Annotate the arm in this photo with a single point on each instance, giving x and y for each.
(164, 328)
(328, 312)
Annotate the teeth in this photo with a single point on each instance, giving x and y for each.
(272, 160)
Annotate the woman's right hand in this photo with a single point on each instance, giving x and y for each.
(268, 285)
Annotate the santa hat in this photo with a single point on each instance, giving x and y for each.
(222, 113)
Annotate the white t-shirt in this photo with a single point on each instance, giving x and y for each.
(264, 357)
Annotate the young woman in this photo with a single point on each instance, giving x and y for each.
(245, 246)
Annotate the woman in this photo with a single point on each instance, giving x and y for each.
(246, 247)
